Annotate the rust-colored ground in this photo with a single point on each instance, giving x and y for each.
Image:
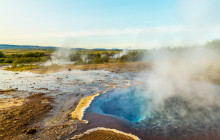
(113, 67)
(104, 135)
(18, 120)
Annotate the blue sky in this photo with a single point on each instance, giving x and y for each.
(109, 23)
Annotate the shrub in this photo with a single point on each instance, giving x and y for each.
(14, 64)
(132, 56)
(8, 60)
(1, 54)
(2, 60)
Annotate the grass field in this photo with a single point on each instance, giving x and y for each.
(22, 51)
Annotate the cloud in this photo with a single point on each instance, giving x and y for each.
(107, 32)
(148, 37)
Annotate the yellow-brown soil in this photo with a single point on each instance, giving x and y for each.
(18, 120)
(104, 135)
(77, 114)
(113, 67)
(8, 103)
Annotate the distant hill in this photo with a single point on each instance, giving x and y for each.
(104, 49)
(7, 46)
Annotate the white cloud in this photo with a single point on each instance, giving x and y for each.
(108, 32)
(149, 37)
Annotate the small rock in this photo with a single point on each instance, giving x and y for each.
(31, 131)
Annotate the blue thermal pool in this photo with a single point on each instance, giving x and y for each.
(124, 103)
(177, 115)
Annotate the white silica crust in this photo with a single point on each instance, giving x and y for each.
(105, 129)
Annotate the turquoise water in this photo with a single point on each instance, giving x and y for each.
(177, 115)
(124, 103)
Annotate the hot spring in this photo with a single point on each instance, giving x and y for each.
(176, 116)
(121, 103)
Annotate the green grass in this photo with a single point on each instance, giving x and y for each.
(21, 68)
(22, 51)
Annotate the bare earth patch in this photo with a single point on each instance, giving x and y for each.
(105, 133)
(18, 120)
(113, 67)
(7, 103)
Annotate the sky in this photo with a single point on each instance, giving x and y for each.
(125, 24)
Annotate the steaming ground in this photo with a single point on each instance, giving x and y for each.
(179, 97)
(60, 57)
(61, 82)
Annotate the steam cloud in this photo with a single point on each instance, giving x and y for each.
(118, 55)
(180, 93)
(60, 56)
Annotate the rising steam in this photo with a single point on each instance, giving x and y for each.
(61, 56)
(179, 91)
(118, 55)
